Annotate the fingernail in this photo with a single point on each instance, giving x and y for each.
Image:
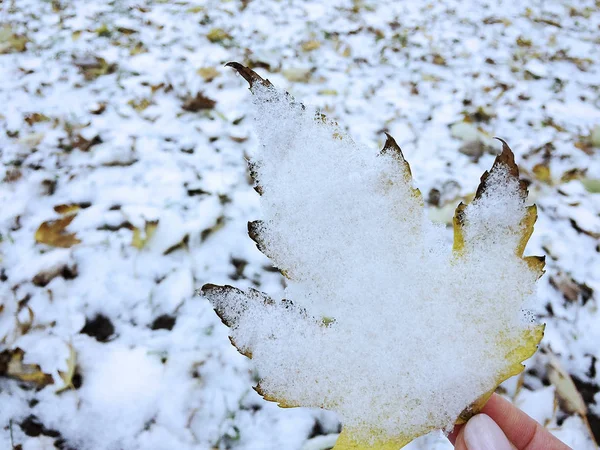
(482, 433)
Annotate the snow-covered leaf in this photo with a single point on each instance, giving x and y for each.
(377, 307)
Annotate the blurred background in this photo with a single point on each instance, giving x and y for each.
(124, 188)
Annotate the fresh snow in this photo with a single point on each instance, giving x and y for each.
(415, 69)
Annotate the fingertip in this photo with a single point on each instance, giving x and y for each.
(454, 434)
(459, 442)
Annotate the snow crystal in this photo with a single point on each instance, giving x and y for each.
(416, 331)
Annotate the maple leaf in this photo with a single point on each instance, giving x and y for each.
(52, 232)
(381, 322)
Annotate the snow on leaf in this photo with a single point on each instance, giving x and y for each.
(141, 237)
(11, 365)
(377, 308)
(11, 42)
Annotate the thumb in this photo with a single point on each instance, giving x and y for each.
(482, 433)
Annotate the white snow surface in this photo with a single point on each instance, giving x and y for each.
(524, 71)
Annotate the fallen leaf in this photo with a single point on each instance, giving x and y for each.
(568, 396)
(34, 118)
(52, 232)
(309, 46)
(62, 269)
(11, 42)
(195, 9)
(439, 60)
(208, 73)
(542, 173)
(140, 105)
(568, 287)
(198, 103)
(67, 376)
(138, 48)
(103, 31)
(220, 223)
(11, 365)
(140, 238)
(93, 67)
(12, 175)
(65, 209)
(218, 35)
(573, 174)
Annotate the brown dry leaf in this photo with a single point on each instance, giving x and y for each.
(52, 232)
(65, 209)
(198, 103)
(220, 223)
(34, 118)
(585, 145)
(25, 326)
(572, 174)
(93, 67)
(569, 288)
(79, 142)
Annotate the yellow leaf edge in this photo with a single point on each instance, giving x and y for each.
(517, 351)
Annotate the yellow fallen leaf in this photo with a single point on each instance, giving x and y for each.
(15, 368)
(208, 73)
(52, 232)
(217, 35)
(140, 238)
(542, 173)
(140, 105)
(11, 42)
(309, 46)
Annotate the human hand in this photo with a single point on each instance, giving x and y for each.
(502, 426)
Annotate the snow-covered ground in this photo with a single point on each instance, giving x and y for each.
(125, 188)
